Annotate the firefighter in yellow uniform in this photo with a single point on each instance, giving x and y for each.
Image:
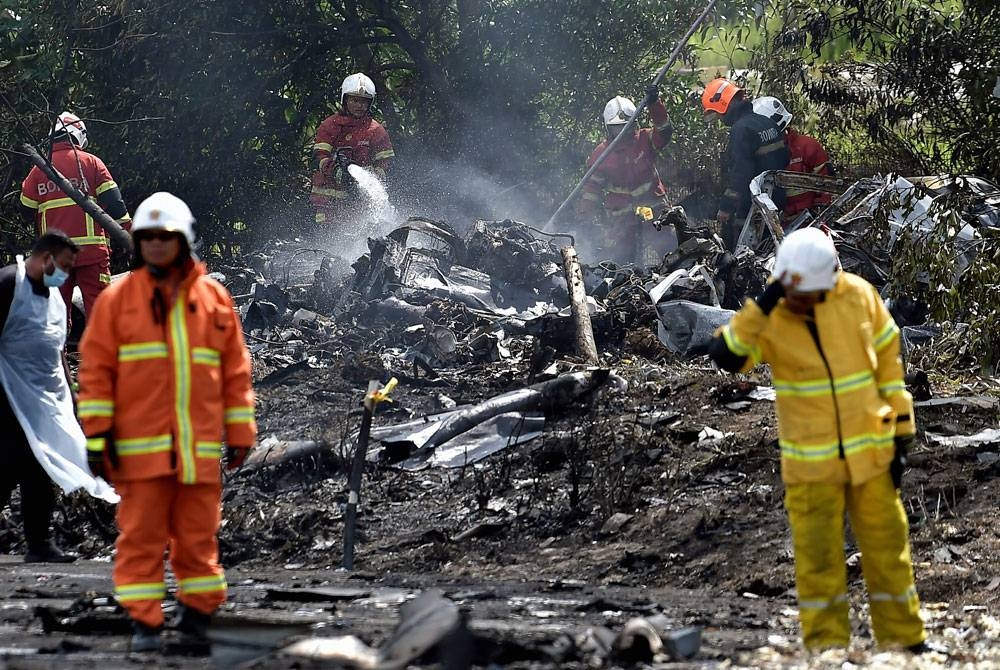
(845, 420)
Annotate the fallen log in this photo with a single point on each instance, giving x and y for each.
(119, 238)
(586, 347)
(426, 434)
(272, 451)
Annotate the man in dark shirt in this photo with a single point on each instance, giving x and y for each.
(51, 260)
(755, 145)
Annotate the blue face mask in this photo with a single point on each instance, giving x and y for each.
(57, 278)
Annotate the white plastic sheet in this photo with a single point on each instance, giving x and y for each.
(32, 375)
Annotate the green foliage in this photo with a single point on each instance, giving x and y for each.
(217, 100)
(933, 266)
(905, 86)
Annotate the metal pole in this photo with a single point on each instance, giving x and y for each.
(638, 111)
(376, 394)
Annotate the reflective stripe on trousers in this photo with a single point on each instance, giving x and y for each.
(816, 517)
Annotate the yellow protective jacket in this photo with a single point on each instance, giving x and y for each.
(170, 382)
(838, 376)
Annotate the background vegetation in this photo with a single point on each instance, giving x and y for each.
(493, 104)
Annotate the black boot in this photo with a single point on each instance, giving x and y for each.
(48, 553)
(144, 638)
(192, 629)
(928, 647)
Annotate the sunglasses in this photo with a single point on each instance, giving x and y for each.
(161, 235)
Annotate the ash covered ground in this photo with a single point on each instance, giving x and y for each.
(657, 493)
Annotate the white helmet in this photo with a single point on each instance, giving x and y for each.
(772, 108)
(808, 258)
(357, 84)
(71, 125)
(618, 111)
(164, 211)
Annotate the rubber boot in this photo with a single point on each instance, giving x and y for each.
(144, 638)
(192, 629)
(48, 553)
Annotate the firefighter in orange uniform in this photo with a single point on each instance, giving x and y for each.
(164, 384)
(351, 136)
(627, 179)
(44, 204)
(806, 155)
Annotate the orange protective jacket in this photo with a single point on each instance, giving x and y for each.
(627, 178)
(370, 146)
(171, 384)
(54, 209)
(805, 155)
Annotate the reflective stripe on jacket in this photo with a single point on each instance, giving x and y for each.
(808, 156)
(370, 146)
(841, 400)
(171, 390)
(755, 146)
(627, 178)
(54, 209)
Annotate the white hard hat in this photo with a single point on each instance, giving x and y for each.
(71, 125)
(164, 211)
(618, 111)
(357, 84)
(772, 108)
(808, 259)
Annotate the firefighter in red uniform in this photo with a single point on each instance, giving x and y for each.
(349, 136)
(805, 155)
(45, 204)
(627, 178)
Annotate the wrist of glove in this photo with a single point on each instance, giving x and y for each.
(236, 456)
(652, 93)
(899, 459)
(767, 300)
(95, 459)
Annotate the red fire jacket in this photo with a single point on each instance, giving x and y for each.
(53, 208)
(807, 155)
(627, 178)
(370, 146)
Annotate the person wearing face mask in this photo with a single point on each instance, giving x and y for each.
(349, 137)
(42, 441)
(845, 422)
(45, 205)
(164, 384)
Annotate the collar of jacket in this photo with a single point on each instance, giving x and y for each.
(64, 145)
(349, 121)
(737, 110)
(193, 271)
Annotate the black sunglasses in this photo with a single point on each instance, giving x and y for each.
(161, 235)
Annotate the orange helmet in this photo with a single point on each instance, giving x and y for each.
(718, 94)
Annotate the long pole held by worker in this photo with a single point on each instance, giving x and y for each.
(119, 238)
(376, 394)
(638, 111)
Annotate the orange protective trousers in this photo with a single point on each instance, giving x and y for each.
(161, 513)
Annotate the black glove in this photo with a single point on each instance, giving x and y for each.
(235, 456)
(899, 459)
(95, 459)
(652, 94)
(343, 162)
(773, 292)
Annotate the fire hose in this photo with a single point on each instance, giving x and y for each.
(638, 111)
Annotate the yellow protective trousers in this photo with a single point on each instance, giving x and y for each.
(816, 517)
